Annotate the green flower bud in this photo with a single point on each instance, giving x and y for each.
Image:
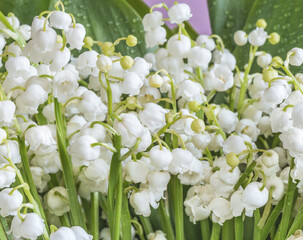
(88, 42)
(232, 159)
(276, 60)
(131, 103)
(274, 38)
(126, 62)
(269, 74)
(198, 125)
(131, 41)
(108, 48)
(261, 23)
(169, 117)
(194, 106)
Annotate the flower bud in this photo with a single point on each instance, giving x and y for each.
(269, 74)
(107, 48)
(126, 62)
(57, 201)
(198, 125)
(276, 60)
(169, 117)
(274, 38)
(261, 23)
(131, 41)
(194, 106)
(131, 103)
(232, 159)
(88, 42)
(155, 81)
(240, 38)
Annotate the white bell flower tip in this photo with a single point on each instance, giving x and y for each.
(81, 148)
(152, 20)
(223, 78)
(60, 20)
(63, 233)
(292, 140)
(240, 38)
(253, 196)
(59, 59)
(81, 234)
(155, 37)
(227, 120)
(257, 37)
(17, 65)
(179, 13)
(157, 181)
(10, 203)
(221, 210)
(75, 36)
(295, 56)
(178, 46)
(39, 136)
(46, 40)
(264, 60)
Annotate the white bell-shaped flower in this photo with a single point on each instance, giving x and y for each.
(221, 210)
(253, 196)
(25, 31)
(160, 158)
(7, 111)
(280, 120)
(10, 150)
(158, 235)
(30, 228)
(153, 116)
(206, 41)
(297, 115)
(7, 176)
(141, 202)
(155, 37)
(240, 38)
(221, 78)
(60, 20)
(292, 140)
(136, 171)
(224, 57)
(40, 177)
(264, 60)
(57, 201)
(104, 63)
(178, 46)
(296, 56)
(234, 144)
(131, 84)
(9, 203)
(37, 24)
(63, 233)
(45, 40)
(80, 233)
(152, 20)
(257, 37)
(181, 161)
(248, 127)
(75, 36)
(157, 183)
(278, 188)
(141, 67)
(86, 63)
(227, 120)
(179, 13)
(199, 57)
(16, 66)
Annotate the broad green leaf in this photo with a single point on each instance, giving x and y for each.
(228, 16)
(106, 20)
(282, 17)
(25, 10)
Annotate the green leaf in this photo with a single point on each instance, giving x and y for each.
(228, 16)
(106, 20)
(25, 10)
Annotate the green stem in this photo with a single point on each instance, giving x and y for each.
(4, 229)
(109, 97)
(94, 228)
(227, 230)
(126, 222)
(165, 221)
(146, 225)
(215, 231)
(239, 228)
(297, 223)
(257, 231)
(287, 208)
(272, 218)
(248, 170)
(243, 88)
(115, 188)
(77, 216)
(205, 229)
(177, 194)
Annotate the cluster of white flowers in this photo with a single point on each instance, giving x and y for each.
(162, 108)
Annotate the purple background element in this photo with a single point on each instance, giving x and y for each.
(199, 20)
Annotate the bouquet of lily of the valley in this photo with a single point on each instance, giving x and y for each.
(180, 144)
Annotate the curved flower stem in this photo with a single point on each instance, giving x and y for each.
(205, 229)
(95, 215)
(243, 88)
(165, 221)
(287, 208)
(248, 170)
(146, 225)
(215, 231)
